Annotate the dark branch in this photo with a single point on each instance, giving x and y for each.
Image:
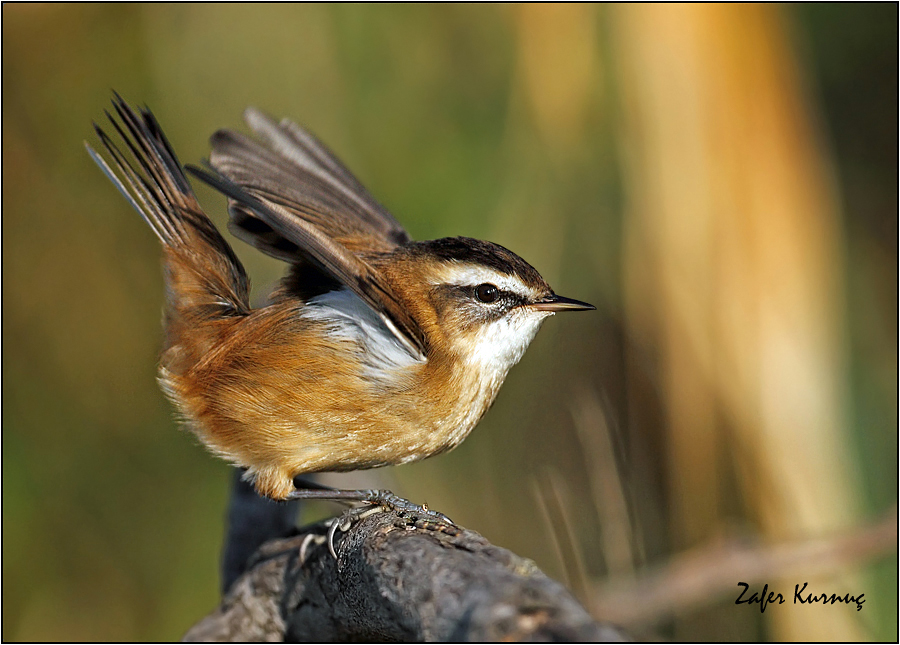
(396, 581)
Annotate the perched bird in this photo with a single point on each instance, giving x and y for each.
(374, 350)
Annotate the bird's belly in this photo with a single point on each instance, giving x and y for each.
(377, 438)
(371, 427)
(286, 422)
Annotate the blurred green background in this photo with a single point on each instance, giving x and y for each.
(720, 181)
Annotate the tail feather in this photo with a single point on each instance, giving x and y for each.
(140, 194)
(204, 275)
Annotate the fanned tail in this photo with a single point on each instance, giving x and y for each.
(204, 277)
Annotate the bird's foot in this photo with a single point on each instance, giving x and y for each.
(386, 499)
(377, 500)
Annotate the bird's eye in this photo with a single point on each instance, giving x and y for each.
(487, 293)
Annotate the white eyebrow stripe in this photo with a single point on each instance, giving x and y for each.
(471, 275)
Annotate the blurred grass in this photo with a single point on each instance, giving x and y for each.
(503, 122)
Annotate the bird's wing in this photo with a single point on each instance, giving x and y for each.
(328, 254)
(292, 169)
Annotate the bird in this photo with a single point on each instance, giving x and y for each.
(373, 350)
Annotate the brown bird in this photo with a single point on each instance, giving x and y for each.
(374, 350)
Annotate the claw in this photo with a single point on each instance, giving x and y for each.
(345, 521)
(332, 529)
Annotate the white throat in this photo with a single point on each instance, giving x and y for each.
(500, 344)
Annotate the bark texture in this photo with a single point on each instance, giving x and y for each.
(395, 579)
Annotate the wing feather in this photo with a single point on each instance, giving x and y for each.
(329, 255)
(293, 169)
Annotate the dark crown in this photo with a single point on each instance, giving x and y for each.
(469, 250)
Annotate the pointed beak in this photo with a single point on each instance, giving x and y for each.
(558, 303)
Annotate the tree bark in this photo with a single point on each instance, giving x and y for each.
(395, 579)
